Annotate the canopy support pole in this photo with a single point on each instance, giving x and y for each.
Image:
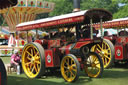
(91, 29)
(125, 31)
(117, 32)
(27, 36)
(78, 28)
(36, 34)
(101, 27)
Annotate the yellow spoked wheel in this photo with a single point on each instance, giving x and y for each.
(93, 65)
(106, 51)
(33, 61)
(70, 68)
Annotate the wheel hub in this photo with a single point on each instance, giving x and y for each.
(33, 59)
(93, 65)
(70, 68)
(104, 52)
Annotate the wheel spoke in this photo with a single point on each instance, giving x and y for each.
(106, 61)
(35, 69)
(38, 62)
(108, 49)
(94, 59)
(97, 63)
(101, 54)
(99, 46)
(72, 74)
(34, 50)
(108, 54)
(71, 62)
(66, 72)
(91, 70)
(97, 68)
(32, 69)
(74, 65)
(38, 67)
(37, 58)
(105, 46)
(90, 60)
(29, 54)
(74, 69)
(36, 54)
(97, 49)
(27, 63)
(67, 61)
(107, 57)
(28, 58)
(31, 66)
(65, 67)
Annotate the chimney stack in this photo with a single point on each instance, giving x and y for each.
(76, 4)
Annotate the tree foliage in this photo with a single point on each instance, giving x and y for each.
(109, 5)
(62, 7)
(123, 1)
(123, 10)
(1, 20)
(66, 6)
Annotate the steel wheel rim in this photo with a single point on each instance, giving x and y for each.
(92, 66)
(104, 51)
(31, 62)
(68, 68)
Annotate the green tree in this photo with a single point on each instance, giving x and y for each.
(66, 6)
(62, 7)
(123, 1)
(123, 10)
(1, 19)
(110, 5)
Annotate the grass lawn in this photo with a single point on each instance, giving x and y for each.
(113, 76)
(6, 60)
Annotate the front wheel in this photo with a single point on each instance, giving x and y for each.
(33, 60)
(93, 65)
(70, 68)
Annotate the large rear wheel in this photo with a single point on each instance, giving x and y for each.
(93, 65)
(3, 74)
(106, 51)
(33, 60)
(70, 68)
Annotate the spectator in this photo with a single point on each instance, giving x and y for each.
(29, 37)
(15, 60)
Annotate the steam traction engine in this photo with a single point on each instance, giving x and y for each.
(117, 42)
(59, 53)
